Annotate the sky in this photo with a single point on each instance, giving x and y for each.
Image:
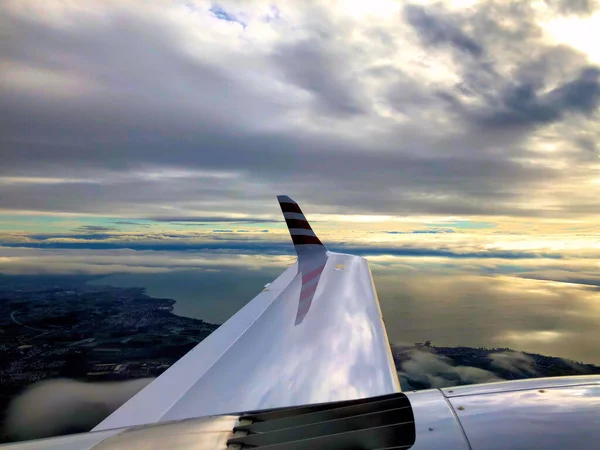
(453, 144)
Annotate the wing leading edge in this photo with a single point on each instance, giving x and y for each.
(314, 335)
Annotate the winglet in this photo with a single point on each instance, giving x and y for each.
(303, 236)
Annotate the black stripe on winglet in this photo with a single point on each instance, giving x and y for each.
(296, 223)
(290, 207)
(303, 240)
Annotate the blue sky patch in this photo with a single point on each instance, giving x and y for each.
(221, 14)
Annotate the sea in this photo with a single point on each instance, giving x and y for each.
(456, 309)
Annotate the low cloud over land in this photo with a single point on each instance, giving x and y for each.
(437, 371)
(61, 406)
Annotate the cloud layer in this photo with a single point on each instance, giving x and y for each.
(178, 107)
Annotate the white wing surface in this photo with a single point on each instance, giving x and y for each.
(314, 335)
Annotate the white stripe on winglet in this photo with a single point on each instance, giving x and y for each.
(292, 215)
(302, 231)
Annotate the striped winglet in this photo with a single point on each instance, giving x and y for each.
(302, 234)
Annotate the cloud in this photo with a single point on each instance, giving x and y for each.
(61, 406)
(137, 224)
(528, 93)
(416, 102)
(309, 65)
(521, 106)
(515, 362)
(28, 261)
(436, 371)
(426, 231)
(95, 236)
(211, 220)
(569, 7)
(173, 243)
(575, 275)
(94, 228)
(439, 29)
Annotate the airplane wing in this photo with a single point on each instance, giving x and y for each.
(314, 335)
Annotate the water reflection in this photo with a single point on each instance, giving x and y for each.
(537, 316)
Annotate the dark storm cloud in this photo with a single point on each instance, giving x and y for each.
(439, 29)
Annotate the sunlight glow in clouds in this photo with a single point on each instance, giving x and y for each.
(578, 32)
(359, 9)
